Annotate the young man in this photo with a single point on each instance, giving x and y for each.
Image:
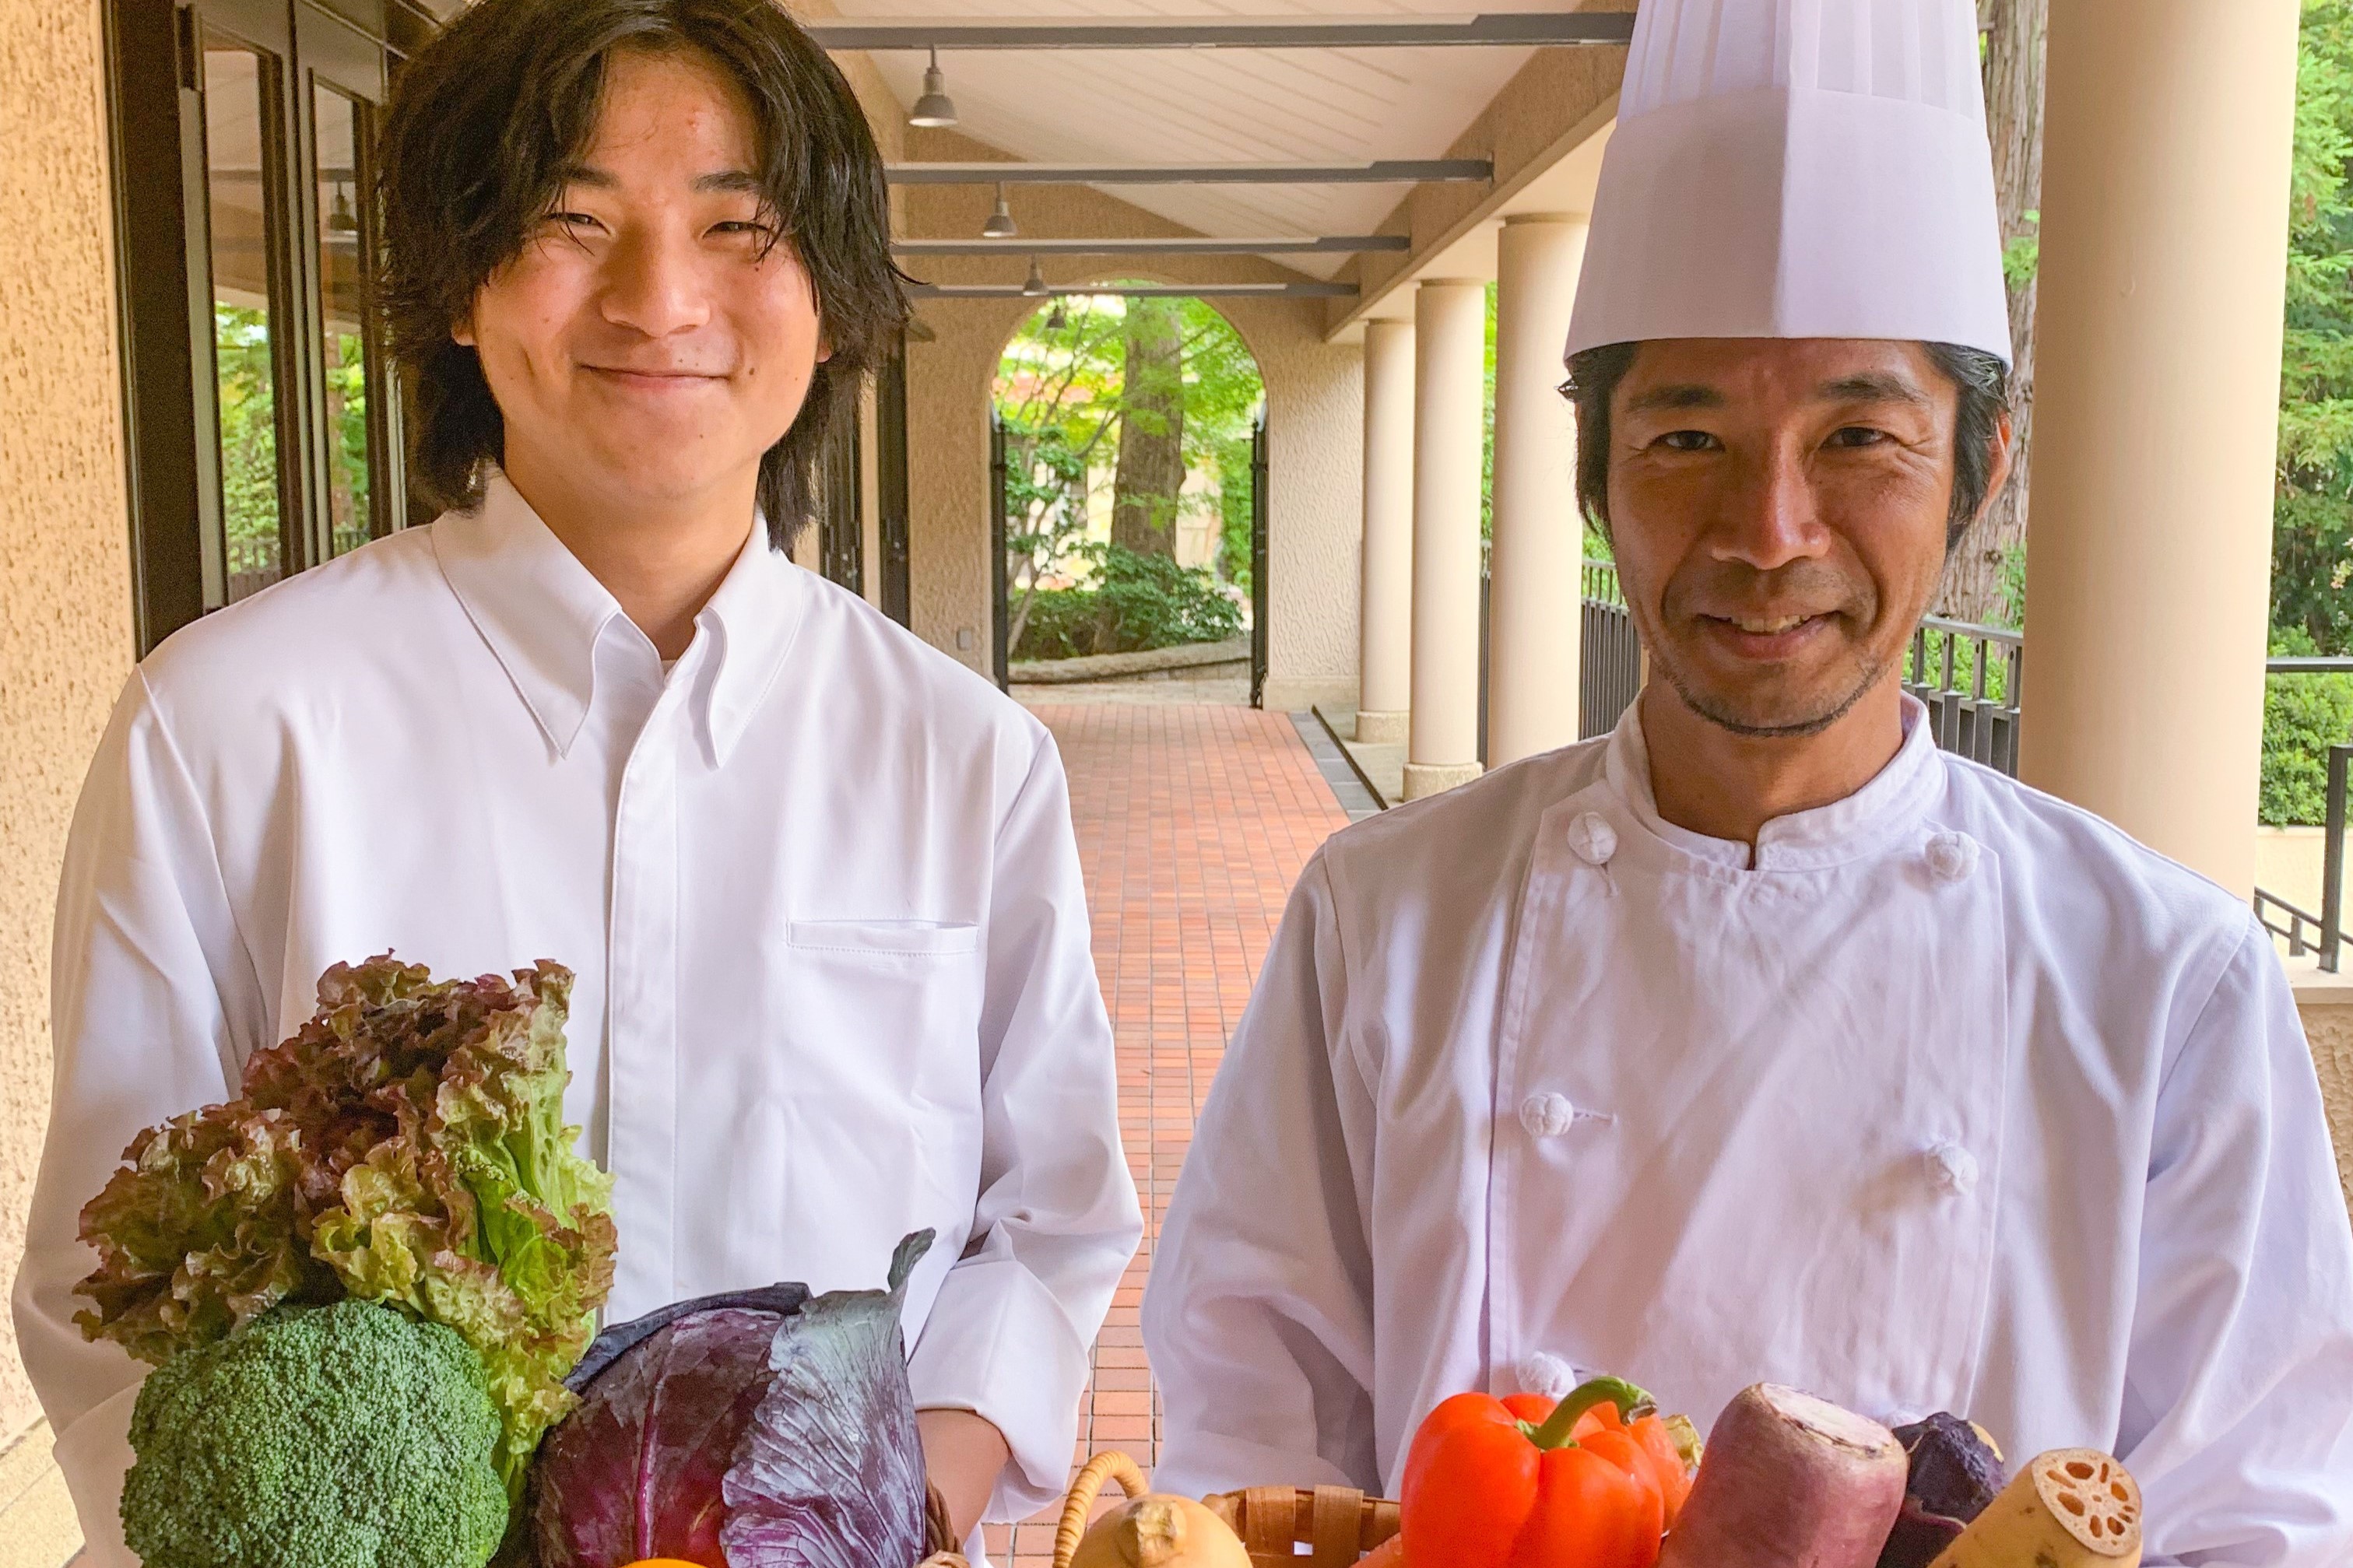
(1761, 1039)
(818, 881)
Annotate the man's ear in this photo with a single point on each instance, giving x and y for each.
(1997, 460)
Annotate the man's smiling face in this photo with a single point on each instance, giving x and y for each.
(656, 335)
(1778, 510)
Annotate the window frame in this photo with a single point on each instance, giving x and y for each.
(165, 302)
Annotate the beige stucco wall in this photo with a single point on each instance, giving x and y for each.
(65, 590)
(1314, 423)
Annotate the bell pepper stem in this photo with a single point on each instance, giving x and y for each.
(1631, 1401)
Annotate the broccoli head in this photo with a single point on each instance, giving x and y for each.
(341, 1436)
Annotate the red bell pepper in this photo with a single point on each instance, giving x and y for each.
(1519, 1482)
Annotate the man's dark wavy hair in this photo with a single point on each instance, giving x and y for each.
(481, 126)
(1981, 380)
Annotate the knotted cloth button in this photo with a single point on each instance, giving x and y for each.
(1953, 1168)
(1952, 857)
(1547, 1115)
(1591, 839)
(1542, 1373)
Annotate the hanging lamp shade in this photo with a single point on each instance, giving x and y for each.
(341, 219)
(1000, 225)
(934, 111)
(1034, 286)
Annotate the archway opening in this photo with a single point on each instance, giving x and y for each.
(1127, 426)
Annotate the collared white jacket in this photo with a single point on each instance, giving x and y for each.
(1954, 1098)
(818, 883)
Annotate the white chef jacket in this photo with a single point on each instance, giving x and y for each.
(818, 885)
(1954, 1098)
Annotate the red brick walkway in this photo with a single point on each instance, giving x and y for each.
(1193, 821)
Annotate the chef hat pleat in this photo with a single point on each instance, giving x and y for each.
(1798, 169)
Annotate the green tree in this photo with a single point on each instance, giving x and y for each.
(248, 441)
(2312, 515)
(1067, 401)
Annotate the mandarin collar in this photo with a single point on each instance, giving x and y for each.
(1882, 812)
(542, 613)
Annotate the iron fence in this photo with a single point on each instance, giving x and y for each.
(1968, 677)
(2321, 935)
(1610, 668)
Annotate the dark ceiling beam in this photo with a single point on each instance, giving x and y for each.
(1335, 245)
(1508, 30)
(1388, 171)
(1136, 290)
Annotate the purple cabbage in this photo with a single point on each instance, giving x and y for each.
(756, 1429)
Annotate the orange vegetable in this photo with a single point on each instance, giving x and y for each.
(1520, 1482)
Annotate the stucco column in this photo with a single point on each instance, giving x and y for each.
(1449, 435)
(2164, 170)
(1535, 593)
(1385, 622)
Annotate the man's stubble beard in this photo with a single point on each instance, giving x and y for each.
(1748, 728)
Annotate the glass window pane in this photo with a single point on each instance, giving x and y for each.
(236, 77)
(342, 316)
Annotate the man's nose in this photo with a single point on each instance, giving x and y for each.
(653, 285)
(1769, 518)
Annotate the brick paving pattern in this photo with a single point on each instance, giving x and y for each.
(1193, 822)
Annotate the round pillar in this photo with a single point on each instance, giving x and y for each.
(2167, 139)
(1385, 658)
(1535, 563)
(1449, 440)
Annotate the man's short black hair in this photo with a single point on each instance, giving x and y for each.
(1982, 380)
(485, 121)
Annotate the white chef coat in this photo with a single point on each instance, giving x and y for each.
(817, 884)
(1954, 1098)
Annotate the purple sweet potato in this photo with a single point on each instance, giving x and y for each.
(1789, 1481)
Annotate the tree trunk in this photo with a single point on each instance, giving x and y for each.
(1975, 585)
(1151, 431)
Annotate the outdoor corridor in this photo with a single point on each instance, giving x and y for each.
(1193, 821)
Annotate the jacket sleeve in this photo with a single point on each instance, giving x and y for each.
(2237, 1408)
(153, 1004)
(1257, 1320)
(1011, 1333)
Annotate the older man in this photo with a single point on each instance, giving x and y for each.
(1761, 1039)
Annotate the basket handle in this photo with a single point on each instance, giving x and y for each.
(1110, 1464)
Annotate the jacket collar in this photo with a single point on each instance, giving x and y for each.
(1880, 814)
(542, 613)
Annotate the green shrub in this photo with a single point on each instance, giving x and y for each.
(1136, 602)
(2303, 715)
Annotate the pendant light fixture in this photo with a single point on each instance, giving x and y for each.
(1057, 319)
(934, 111)
(1034, 286)
(1000, 224)
(341, 219)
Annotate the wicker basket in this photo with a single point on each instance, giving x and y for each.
(1337, 1524)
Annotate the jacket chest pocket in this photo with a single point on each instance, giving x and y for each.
(855, 1118)
(881, 1018)
(1751, 1129)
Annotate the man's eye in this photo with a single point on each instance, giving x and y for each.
(738, 225)
(576, 222)
(1857, 435)
(1687, 441)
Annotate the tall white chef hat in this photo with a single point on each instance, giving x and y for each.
(1798, 169)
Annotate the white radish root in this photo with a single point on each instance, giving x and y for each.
(1789, 1481)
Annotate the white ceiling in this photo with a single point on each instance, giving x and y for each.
(1217, 106)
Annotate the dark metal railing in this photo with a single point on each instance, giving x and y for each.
(1968, 677)
(1609, 668)
(2323, 934)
